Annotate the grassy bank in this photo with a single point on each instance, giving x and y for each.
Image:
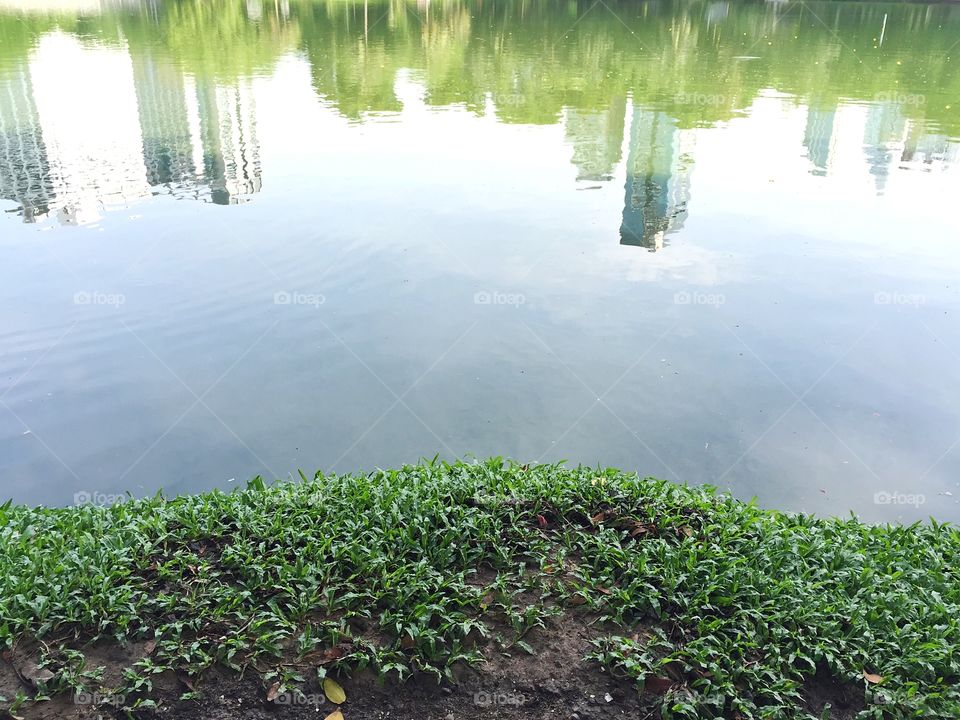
(708, 607)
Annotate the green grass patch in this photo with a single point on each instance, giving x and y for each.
(716, 608)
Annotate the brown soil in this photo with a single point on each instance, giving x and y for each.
(554, 683)
(844, 699)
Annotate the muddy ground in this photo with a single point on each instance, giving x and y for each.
(553, 683)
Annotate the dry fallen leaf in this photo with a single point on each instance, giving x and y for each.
(872, 677)
(333, 691)
(273, 692)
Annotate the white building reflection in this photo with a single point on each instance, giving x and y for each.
(86, 127)
(25, 174)
(199, 138)
(658, 167)
(87, 109)
(879, 134)
(868, 140)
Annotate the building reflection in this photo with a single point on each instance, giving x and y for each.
(25, 174)
(818, 138)
(86, 125)
(660, 156)
(928, 151)
(891, 140)
(199, 138)
(597, 139)
(659, 162)
(84, 128)
(884, 136)
(657, 188)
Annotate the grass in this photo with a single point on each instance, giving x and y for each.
(723, 609)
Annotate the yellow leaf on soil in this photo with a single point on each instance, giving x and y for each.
(335, 715)
(333, 691)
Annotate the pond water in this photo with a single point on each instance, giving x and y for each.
(714, 242)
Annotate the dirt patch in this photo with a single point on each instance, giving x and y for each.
(845, 699)
(554, 683)
(19, 671)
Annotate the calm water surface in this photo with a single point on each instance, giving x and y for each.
(709, 241)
